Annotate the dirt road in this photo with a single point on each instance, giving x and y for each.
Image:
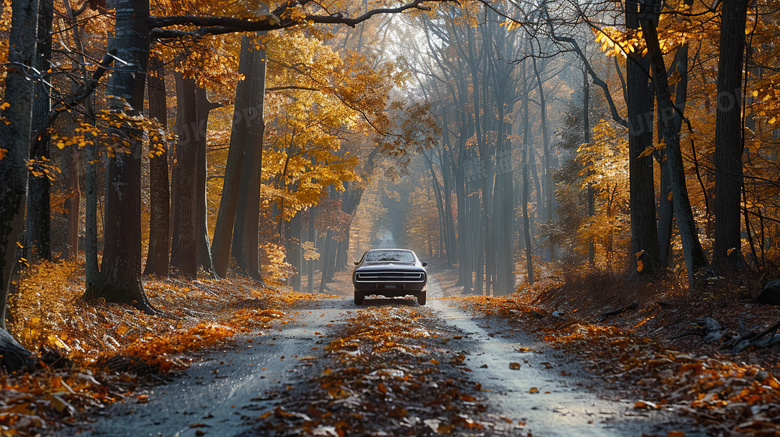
(523, 386)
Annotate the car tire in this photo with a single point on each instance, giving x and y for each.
(422, 297)
(359, 296)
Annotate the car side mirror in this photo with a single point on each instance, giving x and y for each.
(357, 262)
(425, 264)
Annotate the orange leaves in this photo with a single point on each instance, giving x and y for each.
(50, 316)
(715, 391)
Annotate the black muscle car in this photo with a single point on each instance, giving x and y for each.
(391, 273)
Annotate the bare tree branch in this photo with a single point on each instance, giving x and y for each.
(278, 19)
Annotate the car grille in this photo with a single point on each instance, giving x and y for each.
(390, 276)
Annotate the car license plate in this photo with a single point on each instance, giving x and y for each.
(390, 287)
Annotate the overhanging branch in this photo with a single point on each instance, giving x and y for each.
(278, 19)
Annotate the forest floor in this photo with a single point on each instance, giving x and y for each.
(223, 357)
(672, 349)
(93, 354)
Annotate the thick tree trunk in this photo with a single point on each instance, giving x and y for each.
(38, 192)
(243, 115)
(184, 247)
(160, 202)
(92, 271)
(120, 279)
(644, 257)
(729, 145)
(246, 243)
(16, 141)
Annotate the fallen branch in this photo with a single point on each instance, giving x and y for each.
(630, 307)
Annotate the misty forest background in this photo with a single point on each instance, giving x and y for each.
(512, 141)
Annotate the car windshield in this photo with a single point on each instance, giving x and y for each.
(403, 256)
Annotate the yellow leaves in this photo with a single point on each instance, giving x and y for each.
(639, 265)
(615, 42)
(510, 24)
(4, 106)
(42, 168)
(3, 153)
(647, 152)
(310, 253)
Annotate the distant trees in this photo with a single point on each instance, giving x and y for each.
(475, 91)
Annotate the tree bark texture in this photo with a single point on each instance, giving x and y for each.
(120, 279)
(16, 140)
(184, 248)
(38, 191)
(729, 145)
(157, 259)
(246, 242)
(639, 101)
(226, 217)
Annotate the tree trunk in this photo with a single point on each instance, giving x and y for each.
(529, 265)
(184, 248)
(294, 251)
(695, 259)
(246, 243)
(644, 256)
(92, 271)
(16, 141)
(729, 145)
(327, 260)
(665, 209)
(243, 115)
(312, 236)
(120, 279)
(203, 107)
(159, 187)
(586, 139)
(38, 192)
(548, 185)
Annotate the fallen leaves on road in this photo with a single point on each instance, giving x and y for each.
(387, 373)
(726, 395)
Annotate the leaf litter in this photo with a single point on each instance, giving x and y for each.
(92, 354)
(388, 372)
(719, 391)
